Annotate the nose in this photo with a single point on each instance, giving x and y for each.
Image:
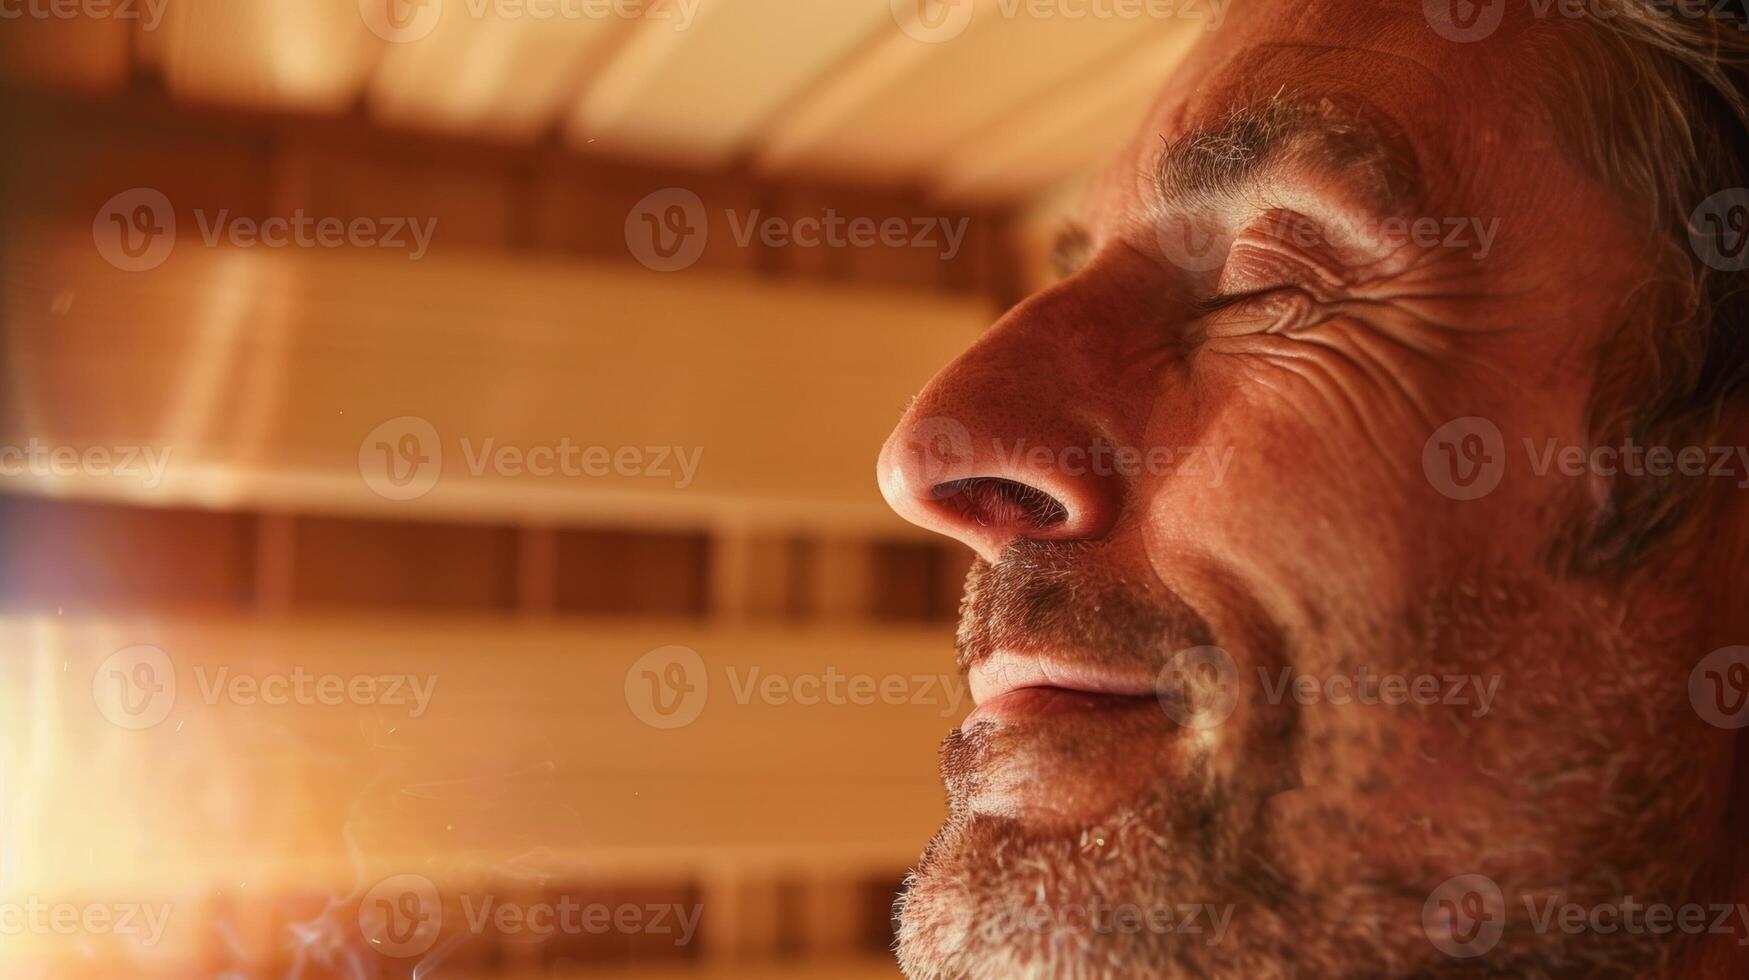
(1017, 438)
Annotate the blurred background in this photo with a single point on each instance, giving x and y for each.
(438, 530)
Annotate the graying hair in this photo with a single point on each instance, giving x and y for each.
(1667, 127)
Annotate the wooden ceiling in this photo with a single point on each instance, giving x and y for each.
(973, 101)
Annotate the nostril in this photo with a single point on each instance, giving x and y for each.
(994, 502)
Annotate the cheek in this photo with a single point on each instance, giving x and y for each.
(1301, 498)
(1342, 482)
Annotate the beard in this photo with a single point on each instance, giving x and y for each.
(1310, 842)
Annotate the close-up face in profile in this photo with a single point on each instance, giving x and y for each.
(1307, 535)
(1297, 649)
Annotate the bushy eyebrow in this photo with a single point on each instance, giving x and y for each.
(1353, 141)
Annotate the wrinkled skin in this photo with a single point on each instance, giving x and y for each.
(1324, 362)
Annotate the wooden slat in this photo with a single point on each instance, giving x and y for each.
(891, 115)
(1072, 131)
(310, 56)
(842, 91)
(86, 53)
(267, 373)
(85, 557)
(531, 737)
(394, 564)
(699, 95)
(628, 573)
(503, 74)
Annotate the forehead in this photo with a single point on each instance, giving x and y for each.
(1454, 105)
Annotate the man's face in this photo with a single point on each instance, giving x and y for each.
(1264, 635)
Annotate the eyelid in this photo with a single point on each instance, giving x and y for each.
(1215, 304)
(1290, 307)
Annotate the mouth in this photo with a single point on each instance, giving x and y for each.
(1011, 688)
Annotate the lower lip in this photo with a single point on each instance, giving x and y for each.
(1034, 703)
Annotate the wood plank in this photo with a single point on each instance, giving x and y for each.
(1070, 132)
(276, 376)
(85, 53)
(491, 70)
(662, 97)
(84, 556)
(378, 565)
(893, 114)
(311, 56)
(531, 734)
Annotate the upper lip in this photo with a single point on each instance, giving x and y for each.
(1009, 670)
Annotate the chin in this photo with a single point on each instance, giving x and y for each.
(1134, 894)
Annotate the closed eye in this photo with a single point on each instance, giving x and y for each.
(1278, 309)
(1215, 304)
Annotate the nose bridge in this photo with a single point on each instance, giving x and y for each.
(1014, 438)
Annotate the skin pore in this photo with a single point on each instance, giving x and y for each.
(1241, 291)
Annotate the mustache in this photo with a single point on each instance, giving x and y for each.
(1059, 595)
